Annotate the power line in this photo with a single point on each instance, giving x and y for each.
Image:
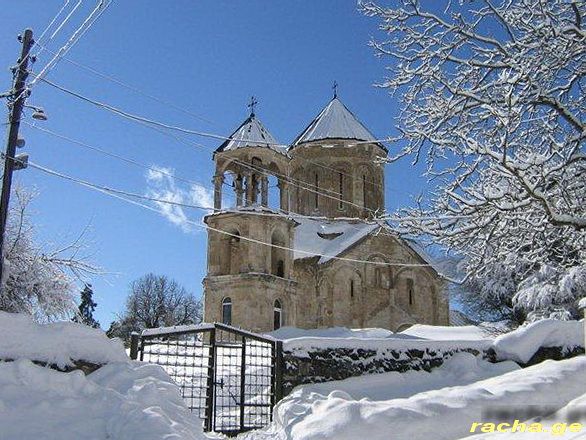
(114, 155)
(172, 175)
(147, 121)
(185, 130)
(142, 118)
(186, 180)
(121, 195)
(132, 88)
(65, 20)
(101, 7)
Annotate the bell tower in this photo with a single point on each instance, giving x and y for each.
(250, 262)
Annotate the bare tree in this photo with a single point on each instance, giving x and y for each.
(493, 101)
(156, 301)
(37, 281)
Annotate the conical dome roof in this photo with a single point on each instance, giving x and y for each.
(251, 133)
(335, 121)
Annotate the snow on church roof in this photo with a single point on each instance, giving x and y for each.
(251, 133)
(335, 121)
(328, 238)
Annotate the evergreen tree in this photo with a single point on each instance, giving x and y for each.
(87, 306)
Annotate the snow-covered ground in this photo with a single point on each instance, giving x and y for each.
(122, 400)
(440, 414)
(126, 400)
(559, 425)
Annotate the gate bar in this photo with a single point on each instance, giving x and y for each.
(209, 410)
(278, 365)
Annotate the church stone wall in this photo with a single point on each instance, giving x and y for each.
(340, 293)
(350, 173)
(253, 297)
(252, 275)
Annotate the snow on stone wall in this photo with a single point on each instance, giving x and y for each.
(61, 344)
(315, 364)
(314, 359)
(522, 344)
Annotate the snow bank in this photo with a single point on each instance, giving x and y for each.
(59, 343)
(441, 333)
(296, 336)
(443, 414)
(129, 401)
(520, 345)
(331, 332)
(299, 346)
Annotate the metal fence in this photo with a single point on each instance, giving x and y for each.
(229, 378)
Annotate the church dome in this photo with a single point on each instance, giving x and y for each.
(335, 121)
(251, 133)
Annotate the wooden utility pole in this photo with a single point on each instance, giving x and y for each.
(18, 95)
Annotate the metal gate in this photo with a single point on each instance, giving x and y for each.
(229, 378)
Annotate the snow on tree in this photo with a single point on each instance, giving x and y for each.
(493, 101)
(156, 301)
(36, 281)
(87, 306)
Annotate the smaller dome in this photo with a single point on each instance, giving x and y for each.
(251, 133)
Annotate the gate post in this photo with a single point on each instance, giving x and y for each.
(279, 366)
(134, 340)
(209, 412)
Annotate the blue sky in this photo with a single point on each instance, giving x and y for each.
(207, 57)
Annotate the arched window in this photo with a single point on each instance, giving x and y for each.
(277, 315)
(234, 253)
(364, 191)
(341, 190)
(227, 311)
(410, 292)
(378, 277)
(228, 253)
(278, 254)
(316, 190)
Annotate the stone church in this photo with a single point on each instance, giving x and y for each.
(300, 242)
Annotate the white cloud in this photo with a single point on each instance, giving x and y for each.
(162, 185)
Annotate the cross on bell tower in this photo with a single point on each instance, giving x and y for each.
(335, 88)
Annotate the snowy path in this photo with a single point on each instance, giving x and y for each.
(447, 413)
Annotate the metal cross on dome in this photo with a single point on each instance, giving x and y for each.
(252, 104)
(335, 88)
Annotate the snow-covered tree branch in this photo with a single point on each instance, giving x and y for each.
(493, 102)
(37, 281)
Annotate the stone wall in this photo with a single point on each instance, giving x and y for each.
(314, 362)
